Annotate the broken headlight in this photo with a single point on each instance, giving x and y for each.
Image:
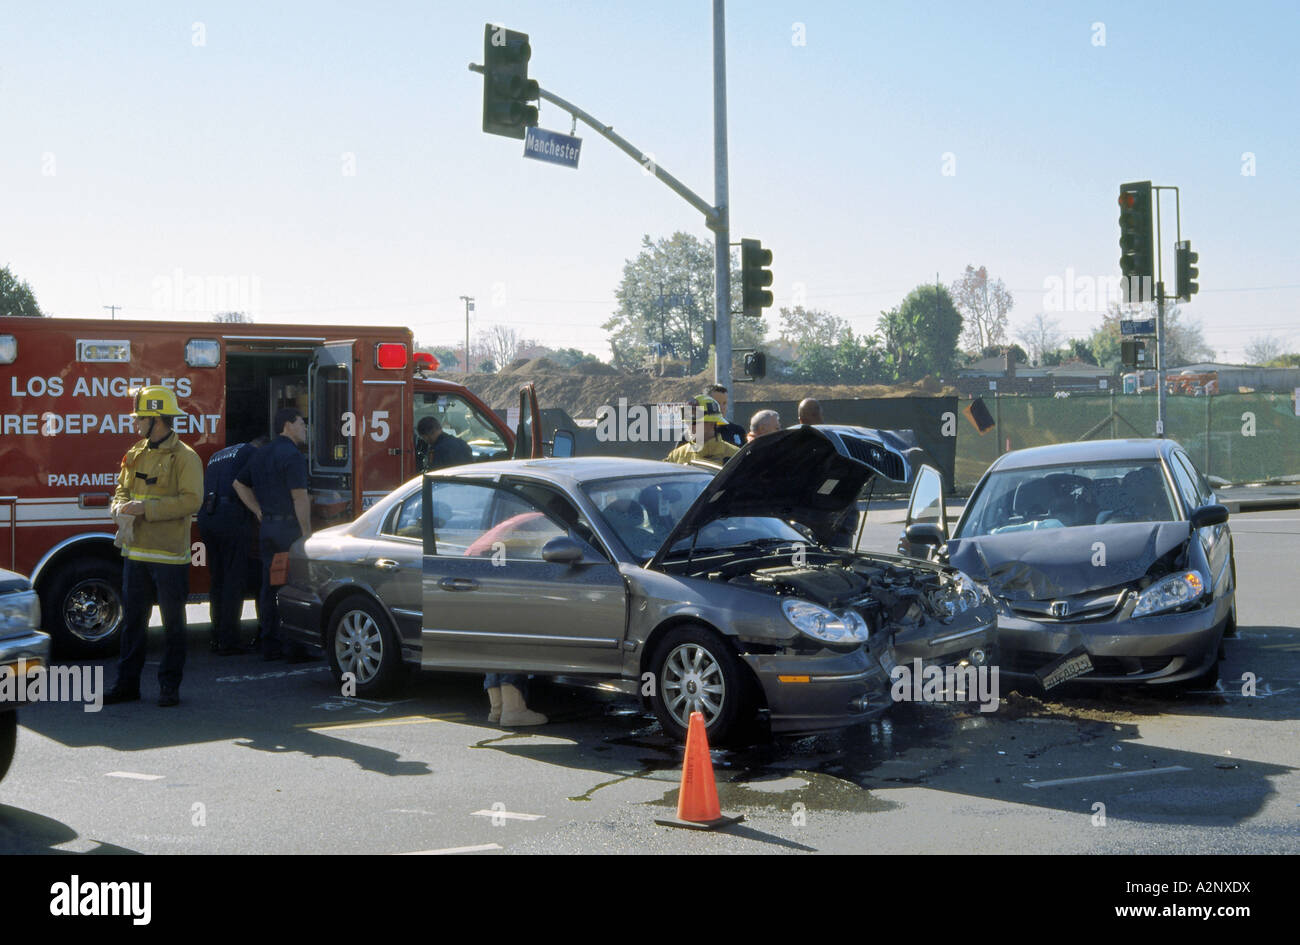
(956, 595)
(1170, 593)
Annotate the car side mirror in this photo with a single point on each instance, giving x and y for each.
(925, 533)
(1208, 515)
(562, 550)
(562, 444)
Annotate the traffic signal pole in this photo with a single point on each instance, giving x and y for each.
(715, 217)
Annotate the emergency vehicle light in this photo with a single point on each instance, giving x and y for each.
(390, 356)
(102, 352)
(203, 352)
(424, 361)
(8, 349)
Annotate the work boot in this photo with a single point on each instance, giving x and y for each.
(119, 693)
(513, 710)
(494, 697)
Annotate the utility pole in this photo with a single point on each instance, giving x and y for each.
(721, 225)
(469, 307)
(113, 308)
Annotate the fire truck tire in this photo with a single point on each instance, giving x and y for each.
(81, 607)
(8, 740)
(361, 641)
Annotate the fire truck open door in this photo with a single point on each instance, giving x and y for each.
(332, 429)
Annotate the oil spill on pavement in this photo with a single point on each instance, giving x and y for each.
(815, 792)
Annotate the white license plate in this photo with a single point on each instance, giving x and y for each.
(1064, 669)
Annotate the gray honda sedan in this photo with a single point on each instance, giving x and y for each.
(722, 593)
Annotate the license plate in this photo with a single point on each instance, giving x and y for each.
(1064, 669)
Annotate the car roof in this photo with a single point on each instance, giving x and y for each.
(572, 471)
(1059, 454)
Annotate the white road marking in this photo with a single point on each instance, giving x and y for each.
(507, 815)
(134, 776)
(478, 849)
(1106, 777)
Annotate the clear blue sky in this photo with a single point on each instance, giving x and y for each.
(133, 150)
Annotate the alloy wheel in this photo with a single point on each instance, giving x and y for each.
(693, 682)
(359, 645)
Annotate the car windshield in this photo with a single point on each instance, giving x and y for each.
(1069, 496)
(642, 510)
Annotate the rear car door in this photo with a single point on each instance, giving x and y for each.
(492, 603)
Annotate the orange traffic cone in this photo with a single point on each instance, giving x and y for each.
(697, 801)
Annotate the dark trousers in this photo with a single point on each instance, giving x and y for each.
(144, 584)
(228, 545)
(276, 536)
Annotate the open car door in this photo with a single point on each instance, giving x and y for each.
(926, 527)
(529, 440)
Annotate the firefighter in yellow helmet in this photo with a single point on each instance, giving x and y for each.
(159, 488)
(703, 442)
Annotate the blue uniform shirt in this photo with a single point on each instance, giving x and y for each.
(219, 495)
(271, 472)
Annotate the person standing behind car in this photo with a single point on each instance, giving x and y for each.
(159, 487)
(228, 529)
(732, 433)
(442, 448)
(273, 484)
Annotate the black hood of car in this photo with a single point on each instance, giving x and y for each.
(806, 474)
(1056, 563)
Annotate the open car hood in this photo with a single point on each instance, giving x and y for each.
(1058, 562)
(806, 474)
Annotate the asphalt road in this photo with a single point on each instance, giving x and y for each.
(269, 758)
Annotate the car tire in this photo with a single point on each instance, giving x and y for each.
(81, 609)
(361, 641)
(694, 657)
(8, 740)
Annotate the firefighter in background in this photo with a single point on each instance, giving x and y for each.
(158, 488)
(273, 484)
(704, 443)
(229, 531)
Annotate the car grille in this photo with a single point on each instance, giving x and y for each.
(882, 461)
(1077, 608)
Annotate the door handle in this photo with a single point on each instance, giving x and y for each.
(386, 564)
(458, 584)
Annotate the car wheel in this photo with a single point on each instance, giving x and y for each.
(696, 670)
(82, 610)
(8, 740)
(361, 641)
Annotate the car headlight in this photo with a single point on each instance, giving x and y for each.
(1169, 593)
(816, 621)
(20, 611)
(957, 594)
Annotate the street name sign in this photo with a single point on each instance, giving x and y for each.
(552, 147)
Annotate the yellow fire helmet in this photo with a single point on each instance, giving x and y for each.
(156, 401)
(707, 410)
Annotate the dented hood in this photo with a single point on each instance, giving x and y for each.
(806, 474)
(1059, 562)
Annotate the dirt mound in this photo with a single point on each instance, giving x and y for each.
(532, 366)
(593, 368)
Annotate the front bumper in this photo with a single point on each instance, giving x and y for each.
(1166, 648)
(24, 652)
(821, 692)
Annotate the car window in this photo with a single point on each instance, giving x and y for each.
(643, 510)
(1186, 484)
(1050, 497)
(1204, 494)
(516, 528)
(461, 419)
(562, 509)
(460, 515)
(404, 520)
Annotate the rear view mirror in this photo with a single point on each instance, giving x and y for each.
(562, 550)
(925, 533)
(562, 444)
(1208, 515)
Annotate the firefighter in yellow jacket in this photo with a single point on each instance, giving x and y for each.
(159, 488)
(703, 442)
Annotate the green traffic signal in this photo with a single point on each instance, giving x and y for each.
(755, 277)
(507, 90)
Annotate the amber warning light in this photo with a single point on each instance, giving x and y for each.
(390, 356)
(424, 361)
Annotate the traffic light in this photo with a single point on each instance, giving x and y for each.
(1132, 354)
(507, 90)
(755, 277)
(1136, 246)
(1185, 261)
(755, 365)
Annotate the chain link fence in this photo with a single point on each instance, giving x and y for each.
(1236, 438)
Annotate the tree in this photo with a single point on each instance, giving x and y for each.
(16, 297)
(501, 345)
(233, 317)
(1040, 336)
(920, 336)
(1263, 349)
(666, 297)
(984, 306)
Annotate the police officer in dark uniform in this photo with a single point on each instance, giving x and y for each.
(441, 448)
(273, 484)
(228, 530)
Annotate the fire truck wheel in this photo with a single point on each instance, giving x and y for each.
(82, 609)
(361, 641)
(8, 740)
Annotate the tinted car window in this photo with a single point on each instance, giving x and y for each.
(404, 521)
(1204, 493)
(460, 515)
(1186, 484)
(642, 510)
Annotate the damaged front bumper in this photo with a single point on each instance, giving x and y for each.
(817, 693)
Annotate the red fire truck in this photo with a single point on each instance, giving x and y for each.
(65, 421)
